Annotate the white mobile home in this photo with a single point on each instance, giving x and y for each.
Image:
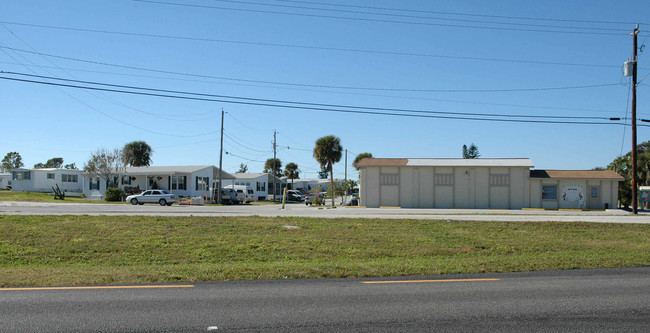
(42, 180)
(182, 180)
(5, 181)
(262, 183)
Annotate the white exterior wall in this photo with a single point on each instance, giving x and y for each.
(5, 180)
(142, 181)
(39, 182)
(259, 195)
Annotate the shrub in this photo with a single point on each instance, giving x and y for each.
(114, 194)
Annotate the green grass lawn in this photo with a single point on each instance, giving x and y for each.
(40, 197)
(79, 250)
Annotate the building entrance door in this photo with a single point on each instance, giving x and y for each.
(593, 199)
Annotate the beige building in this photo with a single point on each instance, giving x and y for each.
(592, 189)
(506, 183)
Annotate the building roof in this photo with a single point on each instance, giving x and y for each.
(46, 170)
(575, 174)
(446, 162)
(257, 175)
(246, 175)
(166, 170)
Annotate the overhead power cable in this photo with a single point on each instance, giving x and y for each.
(430, 90)
(380, 20)
(457, 13)
(295, 105)
(317, 48)
(310, 104)
(423, 17)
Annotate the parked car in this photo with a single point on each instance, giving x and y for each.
(249, 193)
(232, 196)
(161, 197)
(291, 196)
(296, 193)
(311, 197)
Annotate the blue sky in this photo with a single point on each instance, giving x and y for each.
(546, 59)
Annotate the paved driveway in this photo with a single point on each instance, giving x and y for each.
(610, 216)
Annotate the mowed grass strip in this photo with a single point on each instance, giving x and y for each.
(90, 250)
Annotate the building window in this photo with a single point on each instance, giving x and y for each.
(549, 192)
(69, 178)
(22, 175)
(94, 185)
(594, 192)
(126, 180)
(202, 183)
(499, 180)
(50, 175)
(261, 186)
(443, 179)
(389, 179)
(178, 183)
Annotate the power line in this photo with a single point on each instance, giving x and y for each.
(249, 101)
(268, 100)
(339, 92)
(379, 20)
(236, 141)
(310, 85)
(458, 13)
(421, 17)
(314, 104)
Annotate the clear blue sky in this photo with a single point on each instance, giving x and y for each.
(478, 57)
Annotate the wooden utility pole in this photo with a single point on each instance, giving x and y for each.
(634, 157)
(220, 184)
(274, 151)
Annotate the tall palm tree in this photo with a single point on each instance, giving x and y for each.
(137, 154)
(328, 150)
(291, 171)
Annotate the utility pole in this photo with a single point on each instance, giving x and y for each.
(220, 162)
(634, 157)
(346, 176)
(274, 152)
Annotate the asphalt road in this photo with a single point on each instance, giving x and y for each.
(294, 209)
(601, 300)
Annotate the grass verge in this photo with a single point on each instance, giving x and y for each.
(80, 250)
(41, 197)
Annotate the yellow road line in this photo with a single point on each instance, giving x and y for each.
(430, 281)
(97, 287)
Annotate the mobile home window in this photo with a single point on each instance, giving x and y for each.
(94, 184)
(202, 183)
(126, 180)
(50, 175)
(549, 192)
(594, 192)
(178, 183)
(261, 186)
(69, 178)
(21, 175)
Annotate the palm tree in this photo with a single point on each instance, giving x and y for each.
(328, 150)
(276, 169)
(359, 158)
(291, 171)
(137, 154)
